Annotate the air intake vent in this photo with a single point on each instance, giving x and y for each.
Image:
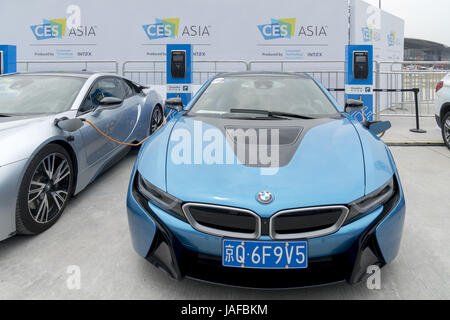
(307, 222)
(223, 221)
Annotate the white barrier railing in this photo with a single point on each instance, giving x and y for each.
(153, 72)
(145, 71)
(407, 75)
(387, 74)
(106, 66)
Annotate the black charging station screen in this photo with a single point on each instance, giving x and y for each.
(361, 58)
(177, 57)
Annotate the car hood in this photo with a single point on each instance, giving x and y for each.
(20, 136)
(321, 163)
(8, 123)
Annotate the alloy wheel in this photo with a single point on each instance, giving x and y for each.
(49, 188)
(447, 130)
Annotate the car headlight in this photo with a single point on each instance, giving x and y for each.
(372, 201)
(159, 198)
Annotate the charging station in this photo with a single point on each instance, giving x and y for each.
(179, 72)
(359, 78)
(8, 59)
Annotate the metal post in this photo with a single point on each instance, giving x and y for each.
(377, 94)
(416, 98)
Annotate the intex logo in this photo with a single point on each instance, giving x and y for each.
(56, 28)
(286, 29)
(169, 28)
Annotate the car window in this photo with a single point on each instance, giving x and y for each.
(111, 87)
(129, 92)
(105, 87)
(92, 99)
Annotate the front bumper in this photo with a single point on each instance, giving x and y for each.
(175, 247)
(10, 179)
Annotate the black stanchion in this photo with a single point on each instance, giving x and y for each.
(416, 98)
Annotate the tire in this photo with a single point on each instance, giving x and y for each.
(156, 119)
(45, 190)
(446, 129)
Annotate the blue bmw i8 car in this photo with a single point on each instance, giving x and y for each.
(263, 180)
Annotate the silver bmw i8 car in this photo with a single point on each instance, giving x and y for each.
(42, 165)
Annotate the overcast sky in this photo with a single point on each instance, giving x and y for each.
(424, 19)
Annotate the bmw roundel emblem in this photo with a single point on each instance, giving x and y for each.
(264, 197)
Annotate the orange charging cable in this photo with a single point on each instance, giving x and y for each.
(125, 143)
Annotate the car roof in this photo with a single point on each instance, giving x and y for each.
(78, 74)
(263, 74)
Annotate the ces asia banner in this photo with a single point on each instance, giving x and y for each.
(241, 30)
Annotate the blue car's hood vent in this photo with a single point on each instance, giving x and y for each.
(243, 140)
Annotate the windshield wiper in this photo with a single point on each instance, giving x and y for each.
(272, 113)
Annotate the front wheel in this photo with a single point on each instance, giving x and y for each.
(446, 129)
(44, 191)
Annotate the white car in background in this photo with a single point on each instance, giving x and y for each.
(442, 108)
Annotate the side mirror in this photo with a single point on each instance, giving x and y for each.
(110, 102)
(378, 127)
(69, 125)
(352, 105)
(175, 104)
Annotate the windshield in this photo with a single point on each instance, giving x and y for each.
(24, 95)
(282, 94)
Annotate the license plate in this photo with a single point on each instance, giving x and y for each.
(265, 254)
